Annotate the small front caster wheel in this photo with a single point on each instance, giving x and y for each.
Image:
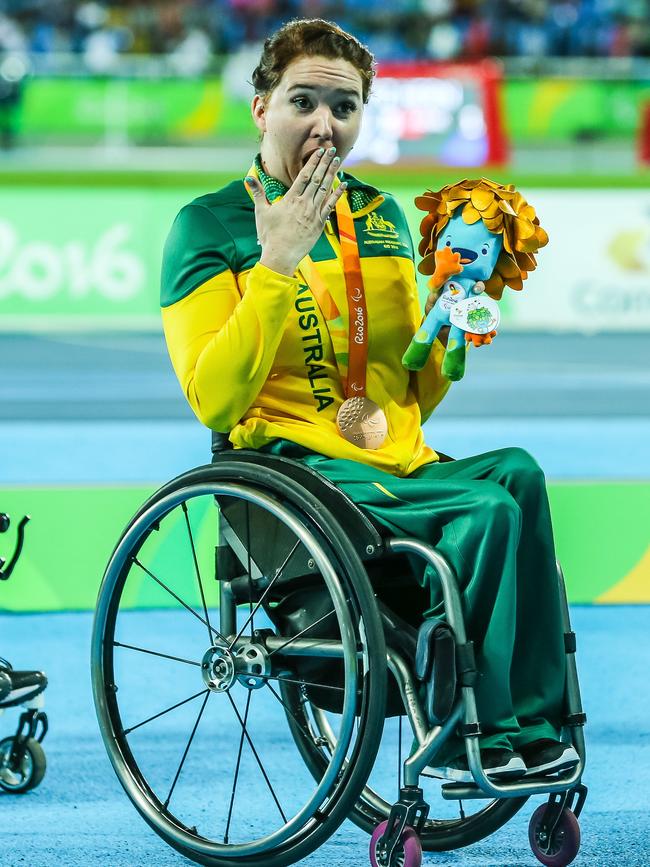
(564, 844)
(408, 852)
(27, 772)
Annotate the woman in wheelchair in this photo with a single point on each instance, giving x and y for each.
(288, 299)
(256, 356)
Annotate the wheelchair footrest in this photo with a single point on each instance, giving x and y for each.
(471, 792)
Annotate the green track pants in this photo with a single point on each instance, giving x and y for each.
(489, 516)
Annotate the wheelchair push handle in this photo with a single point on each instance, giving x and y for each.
(5, 571)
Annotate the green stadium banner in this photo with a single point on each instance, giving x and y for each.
(154, 111)
(83, 256)
(73, 531)
(89, 257)
(139, 111)
(567, 109)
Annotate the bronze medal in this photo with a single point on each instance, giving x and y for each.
(361, 422)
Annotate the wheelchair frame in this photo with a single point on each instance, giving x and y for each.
(410, 809)
(21, 755)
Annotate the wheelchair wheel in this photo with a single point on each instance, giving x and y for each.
(189, 697)
(27, 772)
(561, 848)
(451, 824)
(408, 852)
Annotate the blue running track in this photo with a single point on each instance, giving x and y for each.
(105, 409)
(79, 816)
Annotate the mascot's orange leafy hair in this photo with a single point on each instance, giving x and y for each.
(503, 211)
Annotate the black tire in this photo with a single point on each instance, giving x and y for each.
(361, 636)
(564, 844)
(29, 771)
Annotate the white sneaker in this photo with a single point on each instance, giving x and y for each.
(546, 756)
(499, 763)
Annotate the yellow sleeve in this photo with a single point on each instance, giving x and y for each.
(222, 346)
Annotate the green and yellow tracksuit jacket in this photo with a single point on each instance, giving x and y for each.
(251, 347)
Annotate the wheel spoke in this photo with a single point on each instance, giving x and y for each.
(197, 570)
(305, 731)
(178, 599)
(156, 653)
(302, 632)
(187, 748)
(249, 558)
(239, 751)
(257, 759)
(163, 712)
(299, 682)
(264, 595)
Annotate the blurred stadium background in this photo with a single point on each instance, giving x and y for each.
(113, 115)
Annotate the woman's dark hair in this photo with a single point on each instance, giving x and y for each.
(310, 37)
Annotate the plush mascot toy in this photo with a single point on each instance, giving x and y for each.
(477, 237)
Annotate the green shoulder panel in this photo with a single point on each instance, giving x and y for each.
(216, 232)
(384, 231)
(201, 243)
(322, 251)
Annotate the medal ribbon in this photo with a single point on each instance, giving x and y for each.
(351, 364)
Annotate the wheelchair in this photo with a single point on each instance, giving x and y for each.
(22, 758)
(279, 622)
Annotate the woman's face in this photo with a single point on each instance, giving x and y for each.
(317, 103)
